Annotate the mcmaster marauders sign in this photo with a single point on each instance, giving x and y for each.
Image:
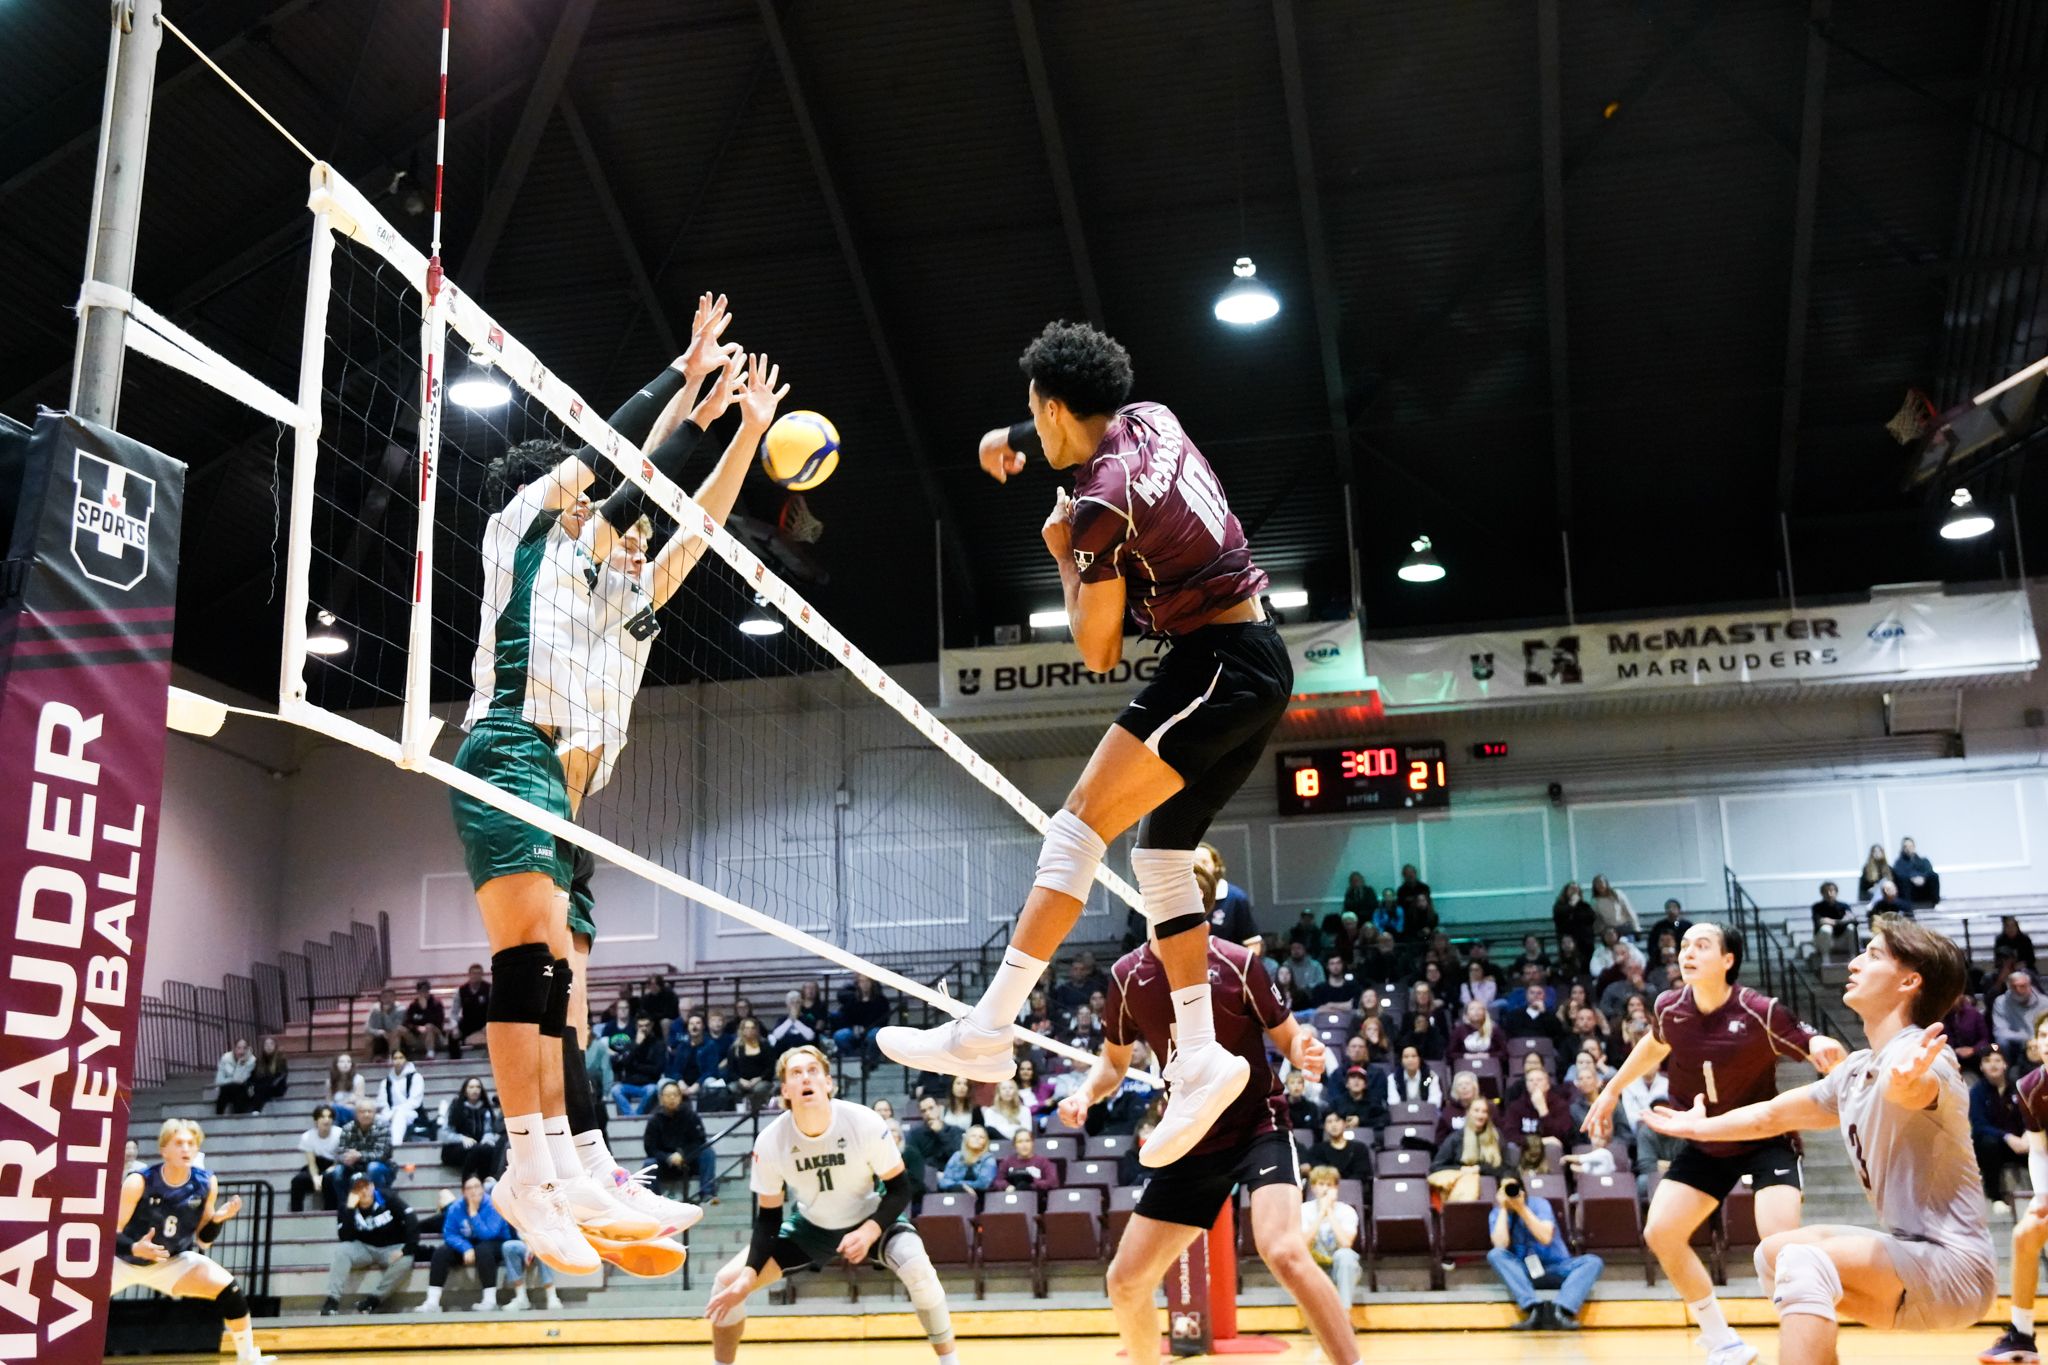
(85, 650)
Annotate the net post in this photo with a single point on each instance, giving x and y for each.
(418, 727)
(291, 682)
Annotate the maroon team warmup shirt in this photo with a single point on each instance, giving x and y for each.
(1744, 1039)
(2032, 1091)
(1139, 1008)
(1147, 506)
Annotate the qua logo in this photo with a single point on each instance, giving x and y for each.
(1324, 653)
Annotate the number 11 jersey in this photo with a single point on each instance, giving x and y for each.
(834, 1174)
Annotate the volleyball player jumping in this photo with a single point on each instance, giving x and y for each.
(1146, 533)
(1721, 1043)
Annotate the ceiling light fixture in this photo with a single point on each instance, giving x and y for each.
(1421, 565)
(1966, 521)
(1246, 302)
(479, 388)
(326, 640)
(1049, 620)
(761, 622)
(1287, 599)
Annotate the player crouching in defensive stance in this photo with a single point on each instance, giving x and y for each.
(1250, 1144)
(852, 1198)
(167, 1223)
(1902, 1109)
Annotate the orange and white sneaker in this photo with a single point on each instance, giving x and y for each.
(600, 1215)
(541, 1214)
(649, 1258)
(634, 1191)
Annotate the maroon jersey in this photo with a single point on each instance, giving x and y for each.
(1743, 1042)
(2032, 1093)
(1139, 1008)
(1147, 506)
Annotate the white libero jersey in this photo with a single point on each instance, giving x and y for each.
(623, 607)
(534, 643)
(835, 1174)
(1917, 1166)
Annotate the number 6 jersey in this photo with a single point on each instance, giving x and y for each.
(835, 1175)
(1148, 507)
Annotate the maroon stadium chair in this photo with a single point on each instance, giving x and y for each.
(1335, 1017)
(1738, 1221)
(1123, 1202)
(1009, 1236)
(1060, 1146)
(946, 1227)
(1609, 1218)
(1465, 1230)
(1402, 1162)
(1247, 1245)
(1487, 1072)
(1442, 1072)
(1109, 1146)
(1519, 1048)
(1402, 1224)
(1101, 1174)
(1419, 1113)
(1333, 1040)
(1551, 1185)
(931, 1178)
(1706, 1237)
(1414, 1136)
(1073, 1226)
(1305, 1138)
(1352, 1192)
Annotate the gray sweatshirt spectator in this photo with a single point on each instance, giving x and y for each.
(2014, 1014)
(233, 1077)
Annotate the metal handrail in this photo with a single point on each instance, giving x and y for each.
(1777, 966)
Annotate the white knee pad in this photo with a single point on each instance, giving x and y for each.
(906, 1256)
(733, 1316)
(1070, 855)
(1807, 1282)
(1167, 889)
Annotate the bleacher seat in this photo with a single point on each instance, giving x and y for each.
(1609, 1219)
(1401, 1224)
(1706, 1236)
(946, 1227)
(1073, 1225)
(1418, 1113)
(1414, 1136)
(1056, 1125)
(1109, 1146)
(1466, 1231)
(1061, 1147)
(1335, 1017)
(1100, 1174)
(1403, 1161)
(1519, 1048)
(1123, 1202)
(1009, 1236)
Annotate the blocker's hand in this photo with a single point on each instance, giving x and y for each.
(725, 389)
(759, 398)
(855, 1245)
(705, 353)
(998, 461)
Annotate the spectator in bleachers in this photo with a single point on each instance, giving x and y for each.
(1411, 889)
(1451, 1115)
(2012, 944)
(272, 1075)
(1573, 917)
(1477, 1036)
(1389, 918)
(1131, 1172)
(1339, 1149)
(1608, 951)
(402, 1094)
(1532, 953)
(1006, 1112)
(973, 1166)
(1370, 1006)
(1359, 897)
(1308, 973)
(1356, 1104)
(1291, 993)
(615, 1026)
(1419, 1031)
(1331, 1228)
(657, 1000)
(1515, 1001)
(1480, 988)
(1442, 994)
(1576, 997)
(1886, 900)
(474, 1234)
(863, 1009)
(472, 1005)
(1085, 1032)
(1589, 1024)
(1372, 1035)
(1478, 1149)
(1344, 942)
(1421, 916)
(1831, 916)
(319, 1144)
(2015, 1013)
(1413, 1083)
(1541, 1116)
(1525, 1229)
(742, 1010)
(1967, 1031)
(1302, 1109)
(1024, 1169)
(1997, 1127)
(376, 1229)
(426, 1023)
(932, 1140)
(959, 1107)
(1072, 993)
(1877, 868)
(1668, 929)
(1338, 987)
(1915, 875)
(345, 1087)
(1632, 984)
(365, 1149)
(749, 1069)
(814, 1011)
(1231, 916)
(1305, 932)
(1611, 907)
(473, 1133)
(678, 1145)
(1535, 1018)
(1379, 959)
(384, 1029)
(792, 1029)
(233, 1078)
(132, 1162)
(1031, 1088)
(1586, 1084)
(1358, 1053)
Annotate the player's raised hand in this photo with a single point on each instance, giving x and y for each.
(1909, 1084)
(855, 1245)
(1059, 527)
(759, 395)
(146, 1248)
(1678, 1123)
(1826, 1054)
(1308, 1054)
(998, 461)
(726, 388)
(1074, 1109)
(729, 1294)
(705, 353)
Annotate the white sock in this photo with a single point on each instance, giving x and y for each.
(1194, 1023)
(950, 1358)
(527, 1147)
(594, 1155)
(1007, 993)
(2023, 1319)
(245, 1343)
(433, 1299)
(1714, 1328)
(562, 1147)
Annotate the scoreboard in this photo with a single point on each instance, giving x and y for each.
(1363, 777)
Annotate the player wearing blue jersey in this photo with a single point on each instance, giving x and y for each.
(167, 1221)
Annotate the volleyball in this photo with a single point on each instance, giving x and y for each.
(801, 450)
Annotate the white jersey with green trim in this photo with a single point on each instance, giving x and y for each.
(624, 631)
(836, 1174)
(534, 643)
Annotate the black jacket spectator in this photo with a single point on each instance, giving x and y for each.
(658, 1001)
(1232, 917)
(1532, 1021)
(869, 1011)
(1353, 1160)
(1915, 875)
(388, 1222)
(483, 1155)
(932, 1146)
(1339, 991)
(1421, 1032)
(672, 1131)
(472, 1004)
(1451, 1155)
(2012, 942)
(1575, 916)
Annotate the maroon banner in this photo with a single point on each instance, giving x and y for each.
(1190, 1324)
(85, 660)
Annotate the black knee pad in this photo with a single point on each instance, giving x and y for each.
(1179, 924)
(233, 1302)
(522, 984)
(579, 1105)
(555, 1021)
(1180, 823)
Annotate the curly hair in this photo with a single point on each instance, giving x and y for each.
(519, 466)
(1087, 370)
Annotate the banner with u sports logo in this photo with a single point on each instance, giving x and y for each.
(1328, 659)
(1889, 639)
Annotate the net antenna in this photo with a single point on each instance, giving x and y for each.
(370, 443)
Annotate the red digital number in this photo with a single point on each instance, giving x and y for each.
(1369, 762)
(1307, 782)
(1418, 776)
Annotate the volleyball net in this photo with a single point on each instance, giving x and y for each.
(774, 775)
